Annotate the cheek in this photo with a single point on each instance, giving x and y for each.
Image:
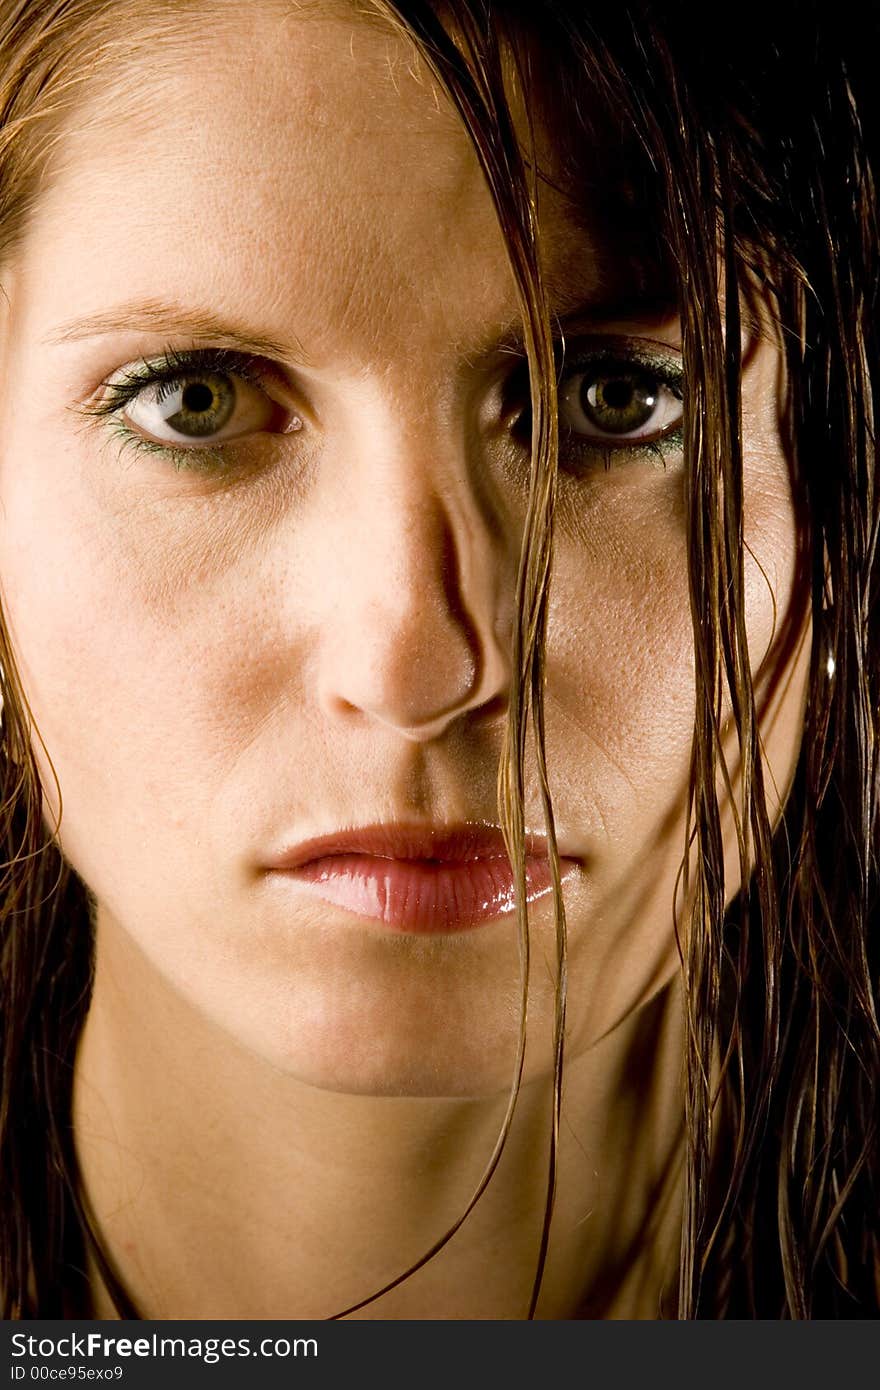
(619, 718)
(620, 654)
(620, 703)
(128, 633)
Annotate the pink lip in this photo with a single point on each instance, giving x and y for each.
(417, 879)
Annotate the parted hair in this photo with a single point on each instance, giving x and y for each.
(750, 167)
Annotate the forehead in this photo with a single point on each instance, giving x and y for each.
(303, 161)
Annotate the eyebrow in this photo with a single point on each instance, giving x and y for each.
(164, 316)
(571, 314)
(169, 316)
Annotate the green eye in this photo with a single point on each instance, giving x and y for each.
(197, 407)
(616, 396)
(201, 407)
(188, 404)
(618, 402)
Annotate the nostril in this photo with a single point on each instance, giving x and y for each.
(413, 642)
(415, 675)
(494, 708)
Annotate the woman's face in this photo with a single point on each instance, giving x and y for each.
(263, 491)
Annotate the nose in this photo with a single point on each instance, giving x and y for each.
(416, 618)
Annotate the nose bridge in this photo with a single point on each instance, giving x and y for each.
(425, 631)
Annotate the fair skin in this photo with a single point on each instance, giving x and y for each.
(280, 1106)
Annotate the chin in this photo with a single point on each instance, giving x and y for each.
(391, 1056)
(350, 1010)
(361, 1012)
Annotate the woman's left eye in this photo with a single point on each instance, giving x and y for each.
(619, 403)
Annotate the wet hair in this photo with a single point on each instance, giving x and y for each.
(750, 162)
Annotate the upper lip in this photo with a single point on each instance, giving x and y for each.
(452, 843)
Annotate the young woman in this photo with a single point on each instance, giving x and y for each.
(440, 661)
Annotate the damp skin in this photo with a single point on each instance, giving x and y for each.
(311, 632)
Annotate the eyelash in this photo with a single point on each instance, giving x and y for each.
(169, 370)
(624, 356)
(174, 366)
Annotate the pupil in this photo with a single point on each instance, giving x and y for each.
(619, 404)
(197, 398)
(618, 394)
(201, 405)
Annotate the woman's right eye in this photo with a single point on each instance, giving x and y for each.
(202, 408)
(185, 403)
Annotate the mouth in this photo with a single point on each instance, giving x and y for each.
(422, 880)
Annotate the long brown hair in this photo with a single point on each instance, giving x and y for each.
(754, 163)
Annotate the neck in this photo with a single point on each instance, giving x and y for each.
(223, 1189)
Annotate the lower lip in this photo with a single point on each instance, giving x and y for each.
(421, 896)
